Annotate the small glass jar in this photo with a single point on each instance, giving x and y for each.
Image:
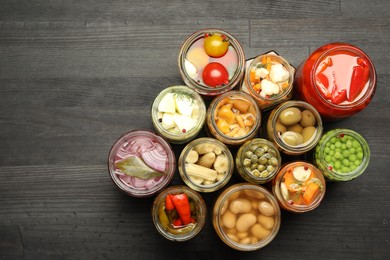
(179, 213)
(178, 114)
(147, 152)
(246, 217)
(299, 187)
(338, 79)
(258, 160)
(211, 61)
(269, 79)
(295, 127)
(206, 164)
(342, 155)
(233, 118)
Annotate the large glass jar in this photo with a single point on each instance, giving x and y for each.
(233, 118)
(269, 79)
(246, 217)
(206, 164)
(338, 79)
(211, 61)
(295, 127)
(299, 187)
(179, 213)
(258, 161)
(178, 114)
(342, 155)
(141, 163)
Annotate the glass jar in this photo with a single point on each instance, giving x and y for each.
(258, 160)
(269, 79)
(338, 79)
(150, 155)
(246, 217)
(299, 187)
(179, 213)
(178, 114)
(206, 164)
(211, 61)
(342, 155)
(295, 127)
(233, 118)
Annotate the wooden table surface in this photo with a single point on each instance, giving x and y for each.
(76, 75)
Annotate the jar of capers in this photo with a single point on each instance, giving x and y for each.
(258, 161)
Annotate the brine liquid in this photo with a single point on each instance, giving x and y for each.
(144, 148)
(338, 68)
(199, 58)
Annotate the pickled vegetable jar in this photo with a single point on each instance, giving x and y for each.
(206, 164)
(178, 114)
(269, 79)
(246, 217)
(211, 61)
(233, 118)
(179, 213)
(295, 127)
(141, 163)
(258, 161)
(299, 187)
(342, 155)
(338, 79)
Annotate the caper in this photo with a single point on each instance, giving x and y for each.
(254, 166)
(270, 168)
(255, 173)
(259, 152)
(273, 161)
(254, 159)
(264, 173)
(265, 148)
(247, 162)
(248, 154)
(253, 148)
(261, 167)
(262, 160)
(272, 152)
(267, 156)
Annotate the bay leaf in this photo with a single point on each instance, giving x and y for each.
(135, 167)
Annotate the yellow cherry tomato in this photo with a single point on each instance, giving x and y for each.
(216, 45)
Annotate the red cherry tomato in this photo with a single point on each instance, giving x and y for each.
(216, 45)
(215, 74)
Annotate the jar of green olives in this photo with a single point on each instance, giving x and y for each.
(258, 160)
(295, 127)
(342, 155)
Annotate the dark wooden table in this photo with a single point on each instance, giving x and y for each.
(76, 75)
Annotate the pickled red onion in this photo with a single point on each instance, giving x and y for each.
(155, 160)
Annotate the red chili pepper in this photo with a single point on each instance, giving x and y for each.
(339, 97)
(168, 202)
(177, 223)
(362, 62)
(323, 84)
(359, 79)
(182, 206)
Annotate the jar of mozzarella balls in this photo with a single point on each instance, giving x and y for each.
(246, 217)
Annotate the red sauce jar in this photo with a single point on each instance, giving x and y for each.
(338, 79)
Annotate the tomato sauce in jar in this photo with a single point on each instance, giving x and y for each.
(338, 79)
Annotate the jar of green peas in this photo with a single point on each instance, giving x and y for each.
(342, 155)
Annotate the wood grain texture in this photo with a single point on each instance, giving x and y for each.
(76, 75)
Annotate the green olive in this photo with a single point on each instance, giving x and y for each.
(297, 128)
(290, 116)
(279, 127)
(292, 138)
(308, 132)
(308, 118)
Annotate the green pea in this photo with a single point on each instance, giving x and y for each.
(337, 155)
(355, 144)
(333, 140)
(331, 153)
(328, 158)
(352, 150)
(327, 150)
(346, 162)
(332, 146)
(345, 153)
(359, 155)
(349, 144)
(337, 165)
(357, 162)
(338, 144)
(352, 157)
(345, 169)
(343, 147)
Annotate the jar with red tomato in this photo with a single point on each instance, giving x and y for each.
(211, 61)
(338, 79)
